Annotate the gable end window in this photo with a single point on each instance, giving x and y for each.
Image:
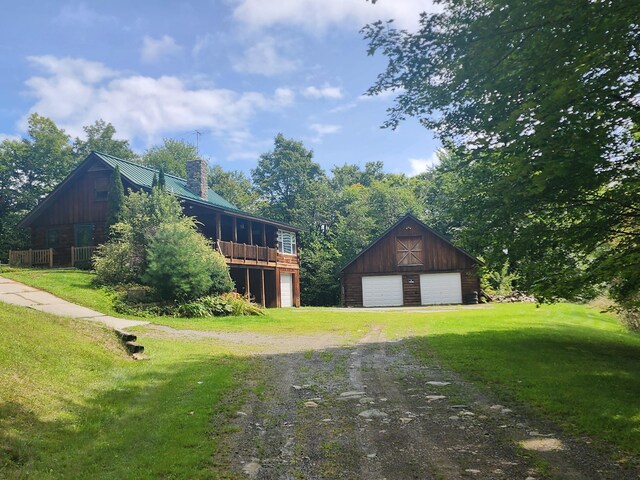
(409, 251)
(286, 242)
(101, 189)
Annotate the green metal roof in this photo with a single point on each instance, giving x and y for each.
(143, 177)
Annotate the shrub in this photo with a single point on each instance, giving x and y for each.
(217, 306)
(182, 265)
(115, 263)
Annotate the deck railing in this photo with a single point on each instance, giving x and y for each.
(30, 258)
(244, 252)
(81, 255)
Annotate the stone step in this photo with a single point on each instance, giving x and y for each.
(134, 347)
(126, 336)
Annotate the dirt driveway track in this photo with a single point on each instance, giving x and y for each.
(373, 411)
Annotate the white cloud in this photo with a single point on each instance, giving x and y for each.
(76, 92)
(263, 58)
(323, 129)
(317, 16)
(155, 48)
(325, 91)
(421, 165)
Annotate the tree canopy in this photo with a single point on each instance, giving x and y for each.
(538, 103)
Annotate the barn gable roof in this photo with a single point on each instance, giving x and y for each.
(142, 177)
(423, 225)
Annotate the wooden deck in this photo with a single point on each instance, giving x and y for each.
(255, 255)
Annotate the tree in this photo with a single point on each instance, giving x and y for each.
(538, 102)
(162, 182)
(284, 177)
(100, 138)
(234, 186)
(29, 169)
(172, 156)
(115, 199)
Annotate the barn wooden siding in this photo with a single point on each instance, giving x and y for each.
(439, 256)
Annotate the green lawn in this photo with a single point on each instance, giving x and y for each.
(567, 362)
(74, 405)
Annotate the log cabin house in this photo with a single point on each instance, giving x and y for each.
(66, 226)
(409, 265)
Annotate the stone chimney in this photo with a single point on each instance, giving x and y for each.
(197, 171)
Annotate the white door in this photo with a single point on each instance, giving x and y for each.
(382, 291)
(286, 290)
(439, 288)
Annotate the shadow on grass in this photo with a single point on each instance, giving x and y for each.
(148, 424)
(589, 384)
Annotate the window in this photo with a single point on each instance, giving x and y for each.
(101, 189)
(53, 238)
(83, 234)
(409, 251)
(286, 242)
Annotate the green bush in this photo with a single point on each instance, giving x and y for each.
(215, 306)
(181, 265)
(114, 262)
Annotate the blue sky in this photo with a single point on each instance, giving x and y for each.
(238, 71)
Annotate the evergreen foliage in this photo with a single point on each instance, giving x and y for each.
(162, 182)
(115, 199)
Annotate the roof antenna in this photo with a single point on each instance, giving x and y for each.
(197, 141)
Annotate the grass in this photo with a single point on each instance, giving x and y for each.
(567, 362)
(69, 284)
(74, 405)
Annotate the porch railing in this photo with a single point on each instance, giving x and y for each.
(30, 258)
(81, 255)
(244, 252)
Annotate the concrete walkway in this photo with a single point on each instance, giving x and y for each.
(17, 293)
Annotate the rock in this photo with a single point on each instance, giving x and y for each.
(352, 394)
(439, 384)
(372, 413)
(240, 414)
(530, 478)
(467, 413)
(311, 404)
(327, 420)
(364, 400)
(405, 420)
(496, 407)
(506, 410)
(433, 398)
(460, 405)
(251, 469)
(384, 399)
(371, 455)
(139, 356)
(472, 470)
(454, 417)
(200, 383)
(296, 387)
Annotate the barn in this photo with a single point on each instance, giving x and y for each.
(409, 265)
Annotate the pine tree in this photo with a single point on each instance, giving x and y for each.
(161, 180)
(115, 199)
(154, 182)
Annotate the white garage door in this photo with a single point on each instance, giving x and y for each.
(286, 290)
(383, 291)
(438, 288)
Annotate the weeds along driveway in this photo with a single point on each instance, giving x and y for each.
(319, 409)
